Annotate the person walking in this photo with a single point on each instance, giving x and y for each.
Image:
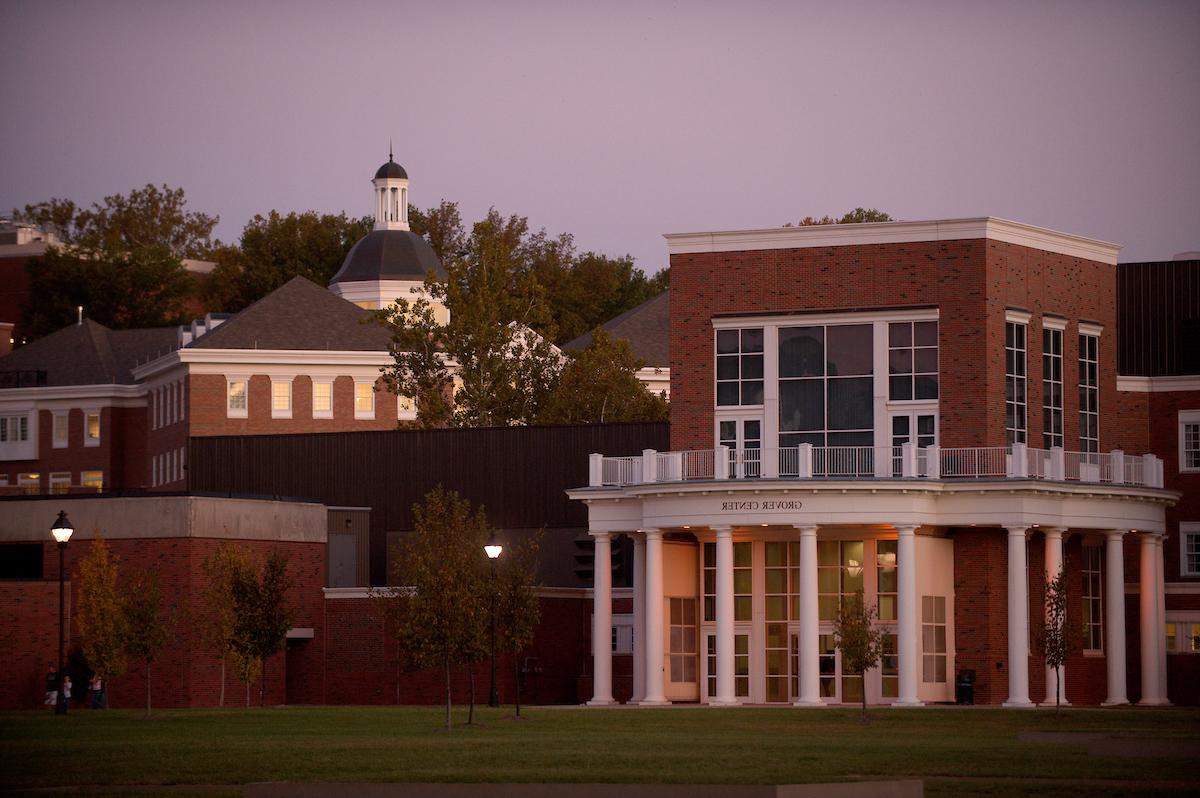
(51, 686)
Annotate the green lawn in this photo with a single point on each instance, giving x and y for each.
(956, 751)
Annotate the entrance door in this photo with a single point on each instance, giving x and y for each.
(743, 436)
(683, 652)
(916, 427)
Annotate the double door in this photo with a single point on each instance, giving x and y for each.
(743, 436)
(912, 426)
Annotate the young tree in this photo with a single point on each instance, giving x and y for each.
(216, 623)
(518, 610)
(148, 628)
(1053, 636)
(600, 384)
(261, 615)
(860, 641)
(440, 613)
(100, 615)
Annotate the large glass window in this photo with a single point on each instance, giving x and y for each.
(839, 574)
(1052, 388)
(322, 399)
(281, 397)
(741, 665)
(825, 385)
(1093, 611)
(1089, 393)
(782, 573)
(1189, 444)
(683, 648)
(885, 578)
(740, 367)
(743, 581)
(912, 360)
(1189, 541)
(1014, 382)
(933, 639)
(364, 400)
(236, 401)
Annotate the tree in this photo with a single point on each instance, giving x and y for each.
(275, 248)
(591, 288)
(147, 628)
(442, 227)
(518, 610)
(121, 260)
(440, 613)
(856, 216)
(600, 384)
(1053, 636)
(100, 615)
(216, 624)
(860, 641)
(261, 616)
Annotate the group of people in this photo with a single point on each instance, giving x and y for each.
(96, 696)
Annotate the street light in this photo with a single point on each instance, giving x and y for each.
(61, 531)
(493, 550)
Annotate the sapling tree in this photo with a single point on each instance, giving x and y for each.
(148, 627)
(860, 641)
(100, 615)
(517, 607)
(1053, 637)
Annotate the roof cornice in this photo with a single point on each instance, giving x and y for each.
(842, 235)
(81, 392)
(1187, 382)
(263, 357)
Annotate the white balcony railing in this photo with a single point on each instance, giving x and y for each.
(878, 462)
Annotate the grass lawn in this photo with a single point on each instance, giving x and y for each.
(959, 752)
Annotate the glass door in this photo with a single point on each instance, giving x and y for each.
(914, 427)
(743, 436)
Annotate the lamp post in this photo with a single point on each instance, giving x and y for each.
(61, 531)
(493, 550)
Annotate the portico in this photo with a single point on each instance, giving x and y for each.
(740, 578)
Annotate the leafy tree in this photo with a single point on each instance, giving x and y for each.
(590, 289)
(121, 260)
(599, 384)
(442, 227)
(856, 216)
(419, 365)
(216, 625)
(1053, 637)
(100, 614)
(860, 641)
(441, 612)
(275, 248)
(148, 629)
(261, 615)
(518, 610)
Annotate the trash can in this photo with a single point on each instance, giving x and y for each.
(964, 687)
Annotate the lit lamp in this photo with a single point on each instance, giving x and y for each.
(61, 531)
(493, 550)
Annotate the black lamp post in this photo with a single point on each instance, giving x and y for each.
(493, 550)
(61, 531)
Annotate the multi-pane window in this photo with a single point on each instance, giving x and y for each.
(827, 666)
(782, 574)
(741, 665)
(92, 479)
(885, 575)
(236, 397)
(281, 397)
(826, 385)
(1052, 388)
(683, 648)
(14, 429)
(913, 360)
(1015, 409)
(91, 429)
(322, 399)
(740, 367)
(839, 573)
(364, 400)
(778, 659)
(60, 430)
(1093, 611)
(29, 483)
(60, 482)
(933, 639)
(1189, 440)
(743, 581)
(1089, 394)
(1189, 564)
(889, 664)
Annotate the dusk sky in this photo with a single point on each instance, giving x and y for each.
(619, 122)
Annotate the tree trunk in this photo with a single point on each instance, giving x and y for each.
(446, 668)
(1057, 692)
(262, 683)
(247, 692)
(147, 688)
(862, 685)
(221, 701)
(517, 673)
(471, 711)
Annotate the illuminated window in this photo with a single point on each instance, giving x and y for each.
(281, 398)
(1189, 549)
(322, 399)
(933, 639)
(92, 479)
(743, 582)
(60, 482)
(839, 574)
(236, 404)
(406, 407)
(885, 572)
(1093, 610)
(91, 428)
(60, 430)
(29, 483)
(364, 400)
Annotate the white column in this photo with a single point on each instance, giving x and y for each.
(1114, 617)
(1018, 620)
(639, 618)
(810, 624)
(1054, 565)
(1161, 592)
(725, 692)
(1149, 628)
(602, 620)
(655, 696)
(907, 599)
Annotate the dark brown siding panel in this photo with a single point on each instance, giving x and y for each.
(519, 474)
(1158, 318)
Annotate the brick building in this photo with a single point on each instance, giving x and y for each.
(930, 413)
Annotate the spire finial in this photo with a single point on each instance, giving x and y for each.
(390, 158)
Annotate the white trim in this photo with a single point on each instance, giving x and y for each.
(1017, 316)
(1090, 328)
(1186, 417)
(223, 358)
(987, 227)
(831, 317)
(1186, 528)
(1185, 382)
(1054, 323)
(134, 394)
(283, 412)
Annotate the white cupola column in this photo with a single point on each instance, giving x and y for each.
(1114, 617)
(907, 600)
(602, 621)
(725, 690)
(1054, 565)
(1018, 619)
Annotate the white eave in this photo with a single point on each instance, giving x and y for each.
(841, 235)
(262, 357)
(1158, 384)
(101, 391)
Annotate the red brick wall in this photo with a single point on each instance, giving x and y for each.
(981, 610)
(118, 454)
(1164, 441)
(29, 643)
(970, 281)
(207, 408)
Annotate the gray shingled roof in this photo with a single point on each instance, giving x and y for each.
(91, 354)
(647, 328)
(298, 315)
(389, 255)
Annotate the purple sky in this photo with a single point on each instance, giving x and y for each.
(620, 121)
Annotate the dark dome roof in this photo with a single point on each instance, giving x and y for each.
(389, 255)
(391, 169)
